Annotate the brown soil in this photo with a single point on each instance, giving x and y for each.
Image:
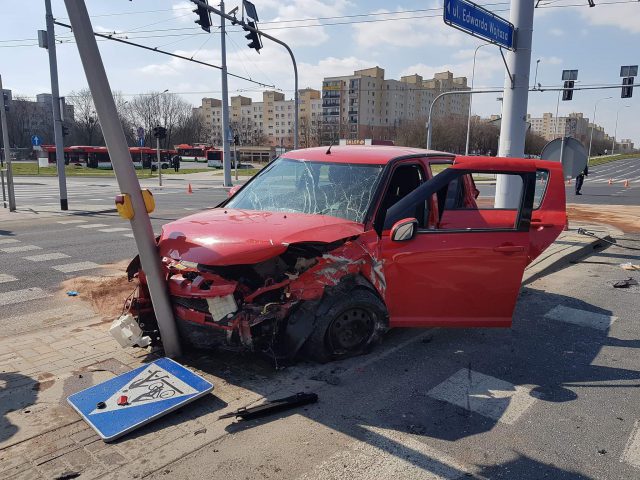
(622, 217)
(106, 295)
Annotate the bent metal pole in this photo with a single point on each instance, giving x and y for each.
(124, 170)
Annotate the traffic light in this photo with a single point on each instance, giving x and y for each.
(204, 19)
(627, 87)
(254, 37)
(236, 139)
(5, 100)
(160, 132)
(567, 93)
(65, 130)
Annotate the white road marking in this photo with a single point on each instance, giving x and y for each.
(486, 395)
(46, 256)
(96, 199)
(25, 295)
(130, 235)
(93, 225)
(385, 454)
(114, 229)
(68, 222)
(4, 241)
(631, 452)
(76, 267)
(583, 318)
(5, 278)
(22, 248)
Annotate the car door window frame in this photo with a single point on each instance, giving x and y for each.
(404, 207)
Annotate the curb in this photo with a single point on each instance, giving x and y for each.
(563, 258)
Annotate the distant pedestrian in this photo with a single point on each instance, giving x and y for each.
(176, 163)
(580, 179)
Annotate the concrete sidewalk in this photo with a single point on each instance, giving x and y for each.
(41, 437)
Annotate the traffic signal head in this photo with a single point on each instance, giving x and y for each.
(567, 93)
(236, 139)
(627, 87)
(204, 17)
(65, 130)
(253, 37)
(5, 100)
(159, 132)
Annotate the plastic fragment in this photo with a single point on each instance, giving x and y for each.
(72, 293)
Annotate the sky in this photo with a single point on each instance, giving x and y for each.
(329, 38)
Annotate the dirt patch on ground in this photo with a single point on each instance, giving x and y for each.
(105, 294)
(622, 217)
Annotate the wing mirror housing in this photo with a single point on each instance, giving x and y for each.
(233, 190)
(404, 229)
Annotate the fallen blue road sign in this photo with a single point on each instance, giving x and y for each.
(479, 22)
(131, 400)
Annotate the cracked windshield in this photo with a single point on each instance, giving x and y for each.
(337, 189)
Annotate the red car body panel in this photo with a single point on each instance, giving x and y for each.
(462, 269)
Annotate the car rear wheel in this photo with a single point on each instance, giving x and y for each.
(351, 323)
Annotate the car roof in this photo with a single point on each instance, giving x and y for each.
(362, 154)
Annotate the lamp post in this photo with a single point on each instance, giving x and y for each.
(595, 109)
(615, 131)
(535, 78)
(473, 73)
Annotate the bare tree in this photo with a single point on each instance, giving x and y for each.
(86, 126)
(412, 133)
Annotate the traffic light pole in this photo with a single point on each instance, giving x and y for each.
(125, 172)
(226, 151)
(515, 98)
(55, 101)
(159, 161)
(7, 155)
(244, 25)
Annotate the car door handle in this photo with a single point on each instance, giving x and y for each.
(536, 222)
(509, 248)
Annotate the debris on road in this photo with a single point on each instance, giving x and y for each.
(72, 293)
(626, 283)
(629, 266)
(273, 406)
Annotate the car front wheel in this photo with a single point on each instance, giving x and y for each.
(351, 323)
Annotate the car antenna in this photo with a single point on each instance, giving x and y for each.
(328, 152)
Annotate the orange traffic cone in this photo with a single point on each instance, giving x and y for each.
(610, 182)
(626, 183)
(189, 189)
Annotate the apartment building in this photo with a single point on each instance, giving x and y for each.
(270, 122)
(574, 125)
(366, 104)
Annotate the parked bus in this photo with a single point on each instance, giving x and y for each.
(192, 153)
(214, 158)
(98, 157)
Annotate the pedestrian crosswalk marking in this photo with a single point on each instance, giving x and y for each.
(486, 395)
(93, 225)
(5, 278)
(631, 453)
(579, 317)
(24, 295)
(76, 267)
(21, 248)
(113, 230)
(130, 235)
(5, 241)
(46, 256)
(69, 222)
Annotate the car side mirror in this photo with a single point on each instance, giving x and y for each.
(233, 190)
(404, 229)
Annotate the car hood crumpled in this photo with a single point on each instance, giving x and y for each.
(240, 237)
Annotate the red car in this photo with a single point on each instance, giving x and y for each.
(325, 249)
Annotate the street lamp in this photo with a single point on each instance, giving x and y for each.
(535, 79)
(615, 131)
(473, 73)
(595, 109)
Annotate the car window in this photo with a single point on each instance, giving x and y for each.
(342, 190)
(464, 204)
(405, 179)
(542, 179)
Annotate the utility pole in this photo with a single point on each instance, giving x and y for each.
(125, 172)
(55, 103)
(226, 151)
(615, 131)
(593, 125)
(7, 155)
(515, 97)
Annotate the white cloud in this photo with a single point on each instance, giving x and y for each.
(404, 30)
(622, 16)
(551, 60)
(556, 32)
(182, 11)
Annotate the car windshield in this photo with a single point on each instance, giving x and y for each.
(342, 190)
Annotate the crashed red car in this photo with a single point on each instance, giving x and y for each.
(325, 249)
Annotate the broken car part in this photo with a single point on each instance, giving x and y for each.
(273, 406)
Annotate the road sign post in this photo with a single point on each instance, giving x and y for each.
(479, 22)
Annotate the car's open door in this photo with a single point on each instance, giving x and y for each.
(466, 271)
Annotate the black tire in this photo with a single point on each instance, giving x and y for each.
(349, 324)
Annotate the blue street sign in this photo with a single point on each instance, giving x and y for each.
(479, 22)
(133, 399)
(36, 141)
(140, 132)
(141, 141)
